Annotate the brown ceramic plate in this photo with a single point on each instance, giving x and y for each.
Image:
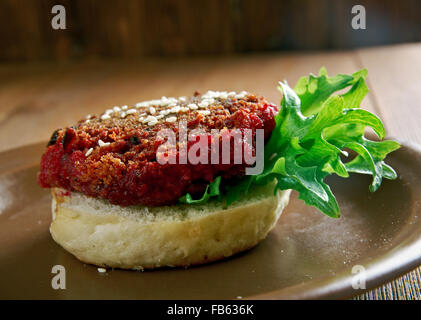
(308, 255)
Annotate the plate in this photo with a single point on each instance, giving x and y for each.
(307, 256)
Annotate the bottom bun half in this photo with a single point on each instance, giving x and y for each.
(139, 237)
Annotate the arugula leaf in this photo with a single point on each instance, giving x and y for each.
(313, 128)
(313, 91)
(212, 190)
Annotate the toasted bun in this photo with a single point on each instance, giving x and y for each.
(139, 237)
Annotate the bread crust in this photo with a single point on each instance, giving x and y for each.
(111, 237)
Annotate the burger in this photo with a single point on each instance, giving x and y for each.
(190, 180)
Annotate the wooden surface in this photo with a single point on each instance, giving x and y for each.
(135, 28)
(36, 99)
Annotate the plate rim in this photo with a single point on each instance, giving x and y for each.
(381, 270)
(340, 286)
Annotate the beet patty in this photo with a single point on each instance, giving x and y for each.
(113, 156)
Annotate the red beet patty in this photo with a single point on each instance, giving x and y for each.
(113, 156)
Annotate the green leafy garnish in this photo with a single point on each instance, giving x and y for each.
(313, 128)
(212, 190)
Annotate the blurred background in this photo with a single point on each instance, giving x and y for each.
(139, 28)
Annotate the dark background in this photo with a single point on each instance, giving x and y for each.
(137, 28)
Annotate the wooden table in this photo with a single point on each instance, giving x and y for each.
(37, 99)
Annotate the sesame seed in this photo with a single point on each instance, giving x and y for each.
(102, 270)
(203, 104)
(131, 111)
(192, 106)
(152, 123)
(150, 119)
(152, 110)
(164, 101)
(160, 116)
(105, 116)
(209, 100)
(171, 119)
(241, 95)
(231, 93)
(141, 119)
(123, 115)
(89, 152)
(184, 109)
(182, 99)
(116, 109)
(223, 96)
(102, 143)
(175, 109)
(141, 104)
